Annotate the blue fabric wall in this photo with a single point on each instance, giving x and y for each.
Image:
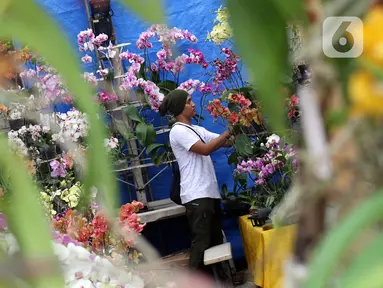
(196, 16)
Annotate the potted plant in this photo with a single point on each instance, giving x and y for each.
(16, 116)
(232, 204)
(249, 197)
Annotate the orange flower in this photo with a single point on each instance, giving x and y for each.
(247, 116)
(68, 160)
(3, 109)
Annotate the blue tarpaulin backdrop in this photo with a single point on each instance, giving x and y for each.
(196, 16)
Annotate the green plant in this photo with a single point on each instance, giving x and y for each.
(248, 197)
(26, 22)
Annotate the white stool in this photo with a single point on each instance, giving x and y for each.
(217, 254)
(220, 253)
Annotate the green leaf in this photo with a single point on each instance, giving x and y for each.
(168, 84)
(158, 159)
(149, 10)
(243, 145)
(269, 201)
(153, 148)
(324, 260)
(233, 107)
(233, 159)
(292, 10)
(281, 158)
(155, 77)
(146, 134)
(363, 268)
(132, 112)
(336, 118)
(272, 52)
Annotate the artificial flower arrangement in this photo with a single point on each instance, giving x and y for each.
(61, 195)
(33, 141)
(114, 240)
(81, 267)
(271, 169)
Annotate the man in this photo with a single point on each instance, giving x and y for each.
(199, 188)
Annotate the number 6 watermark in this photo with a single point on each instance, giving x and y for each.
(342, 37)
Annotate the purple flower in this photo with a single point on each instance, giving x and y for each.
(269, 168)
(58, 169)
(3, 222)
(258, 164)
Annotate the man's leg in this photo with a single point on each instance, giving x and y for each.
(200, 213)
(216, 231)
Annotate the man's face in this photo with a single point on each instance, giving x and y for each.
(189, 110)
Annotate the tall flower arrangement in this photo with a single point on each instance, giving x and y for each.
(110, 239)
(157, 77)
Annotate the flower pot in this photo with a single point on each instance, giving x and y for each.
(253, 210)
(16, 124)
(48, 153)
(111, 105)
(234, 207)
(58, 149)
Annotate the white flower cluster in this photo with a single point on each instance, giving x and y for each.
(16, 144)
(82, 268)
(73, 126)
(16, 111)
(111, 144)
(272, 140)
(15, 138)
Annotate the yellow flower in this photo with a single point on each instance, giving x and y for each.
(222, 14)
(73, 200)
(247, 116)
(373, 36)
(366, 94)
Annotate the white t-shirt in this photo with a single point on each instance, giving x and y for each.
(198, 179)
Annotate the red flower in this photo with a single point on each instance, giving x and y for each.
(234, 118)
(294, 100)
(126, 210)
(100, 225)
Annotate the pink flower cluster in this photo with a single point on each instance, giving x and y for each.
(28, 74)
(129, 222)
(197, 57)
(226, 67)
(190, 85)
(58, 167)
(107, 97)
(131, 81)
(149, 88)
(87, 40)
(239, 99)
(265, 166)
(52, 87)
(89, 77)
(131, 57)
(165, 35)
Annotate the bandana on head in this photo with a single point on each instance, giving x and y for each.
(174, 102)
